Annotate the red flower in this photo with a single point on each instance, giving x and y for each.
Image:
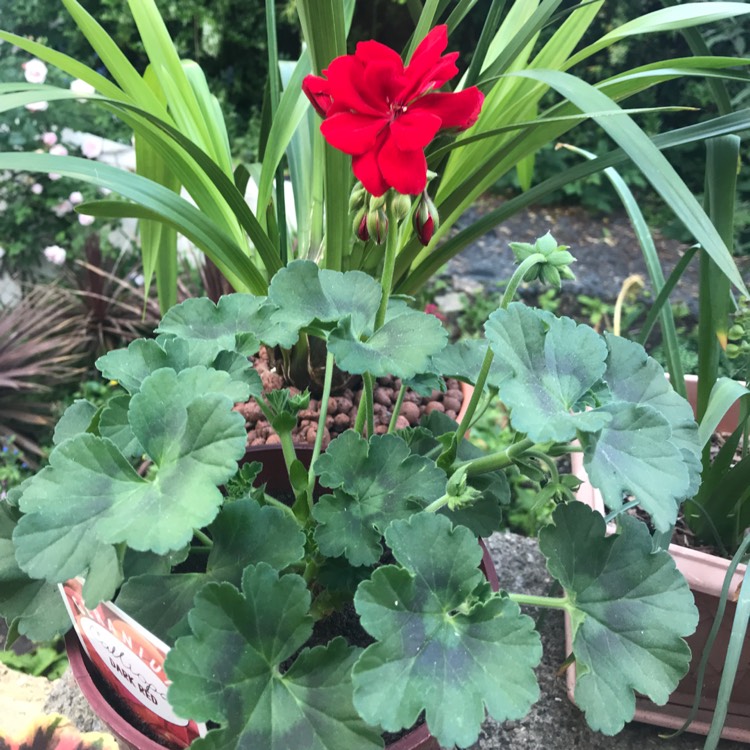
(385, 114)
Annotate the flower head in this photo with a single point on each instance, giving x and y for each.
(36, 106)
(49, 138)
(384, 113)
(77, 86)
(91, 147)
(85, 220)
(34, 71)
(55, 254)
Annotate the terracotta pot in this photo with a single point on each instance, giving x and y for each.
(91, 683)
(705, 575)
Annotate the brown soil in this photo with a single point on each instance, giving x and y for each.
(342, 409)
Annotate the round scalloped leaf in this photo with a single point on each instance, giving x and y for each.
(444, 640)
(194, 439)
(633, 455)
(463, 360)
(226, 325)
(328, 296)
(244, 533)
(630, 609)
(402, 347)
(635, 377)
(76, 419)
(228, 670)
(130, 367)
(113, 424)
(381, 480)
(33, 608)
(546, 368)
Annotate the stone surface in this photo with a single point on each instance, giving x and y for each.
(22, 699)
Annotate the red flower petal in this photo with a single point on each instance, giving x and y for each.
(366, 170)
(458, 110)
(405, 171)
(316, 89)
(415, 129)
(346, 84)
(352, 133)
(372, 51)
(427, 69)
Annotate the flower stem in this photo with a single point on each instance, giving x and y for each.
(389, 263)
(269, 500)
(497, 460)
(517, 278)
(207, 541)
(397, 408)
(556, 602)
(476, 395)
(327, 380)
(436, 505)
(369, 409)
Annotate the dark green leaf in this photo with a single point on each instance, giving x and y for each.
(75, 420)
(443, 639)
(630, 609)
(228, 670)
(380, 480)
(546, 367)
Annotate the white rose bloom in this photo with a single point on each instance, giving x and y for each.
(37, 189)
(58, 150)
(81, 87)
(75, 197)
(55, 254)
(37, 106)
(49, 138)
(85, 221)
(35, 71)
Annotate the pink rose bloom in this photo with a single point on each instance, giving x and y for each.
(49, 138)
(37, 189)
(85, 221)
(75, 197)
(55, 254)
(58, 150)
(54, 176)
(35, 71)
(62, 208)
(37, 106)
(91, 147)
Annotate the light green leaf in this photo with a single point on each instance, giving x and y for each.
(630, 609)
(634, 455)
(545, 368)
(114, 425)
(130, 367)
(379, 480)
(329, 296)
(402, 347)
(194, 439)
(443, 638)
(75, 420)
(228, 671)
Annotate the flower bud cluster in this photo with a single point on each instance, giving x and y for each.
(555, 266)
(370, 217)
(426, 219)
(738, 336)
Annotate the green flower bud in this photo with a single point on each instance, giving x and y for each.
(377, 225)
(357, 197)
(401, 205)
(736, 332)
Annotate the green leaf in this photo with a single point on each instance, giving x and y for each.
(194, 439)
(463, 360)
(402, 347)
(31, 607)
(636, 378)
(630, 609)
(244, 533)
(329, 296)
(130, 367)
(723, 394)
(546, 367)
(379, 480)
(633, 455)
(76, 419)
(228, 670)
(443, 638)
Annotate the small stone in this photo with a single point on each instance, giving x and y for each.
(401, 422)
(382, 396)
(451, 404)
(412, 398)
(342, 421)
(258, 441)
(410, 412)
(450, 413)
(381, 429)
(273, 439)
(345, 405)
(333, 406)
(434, 406)
(271, 381)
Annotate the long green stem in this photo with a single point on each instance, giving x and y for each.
(328, 379)
(389, 262)
(517, 278)
(397, 408)
(207, 541)
(556, 602)
(369, 409)
(436, 505)
(497, 460)
(269, 500)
